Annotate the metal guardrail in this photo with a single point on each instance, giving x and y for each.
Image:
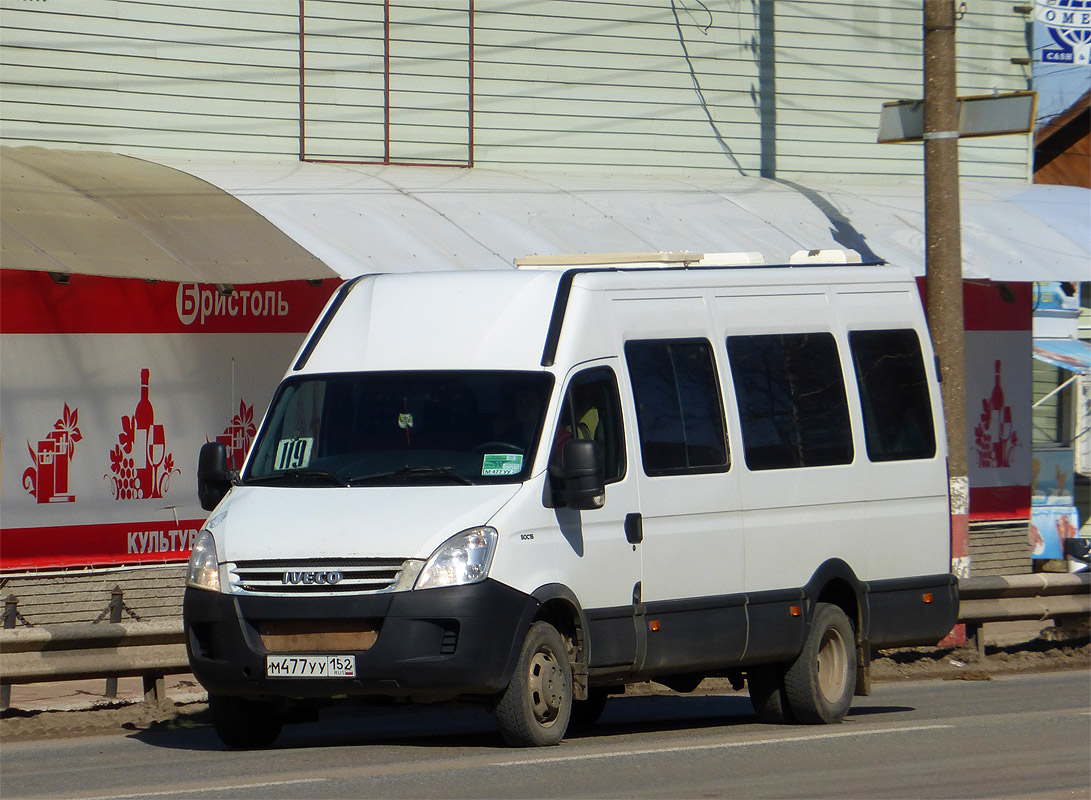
(155, 649)
(1015, 597)
(1041, 596)
(150, 650)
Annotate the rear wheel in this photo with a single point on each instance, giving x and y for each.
(244, 724)
(535, 708)
(819, 684)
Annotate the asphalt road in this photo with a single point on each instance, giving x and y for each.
(1023, 736)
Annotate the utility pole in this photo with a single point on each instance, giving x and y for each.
(943, 257)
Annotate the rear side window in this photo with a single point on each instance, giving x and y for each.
(792, 403)
(897, 408)
(678, 408)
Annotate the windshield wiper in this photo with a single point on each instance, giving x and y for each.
(412, 472)
(295, 475)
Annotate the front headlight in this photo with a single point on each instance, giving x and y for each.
(464, 558)
(204, 566)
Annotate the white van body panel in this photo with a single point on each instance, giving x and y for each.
(493, 320)
(282, 522)
(683, 515)
(833, 504)
(542, 546)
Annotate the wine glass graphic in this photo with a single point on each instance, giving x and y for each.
(157, 450)
(157, 446)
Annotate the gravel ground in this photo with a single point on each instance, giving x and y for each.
(1048, 652)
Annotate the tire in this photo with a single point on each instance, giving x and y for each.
(244, 724)
(767, 695)
(585, 713)
(820, 683)
(535, 709)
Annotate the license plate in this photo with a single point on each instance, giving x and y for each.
(310, 666)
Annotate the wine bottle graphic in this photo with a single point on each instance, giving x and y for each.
(995, 433)
(140, 461)
(143, 420)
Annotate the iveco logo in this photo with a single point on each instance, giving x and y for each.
(311, 578)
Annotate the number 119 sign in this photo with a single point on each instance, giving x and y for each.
(293, 453)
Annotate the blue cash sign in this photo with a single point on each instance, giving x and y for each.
(1069, 24)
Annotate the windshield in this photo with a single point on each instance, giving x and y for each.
(397, 428)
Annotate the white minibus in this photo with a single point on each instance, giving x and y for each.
(534, 487)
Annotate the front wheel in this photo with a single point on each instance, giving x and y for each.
(820, 683)
(535, 708)
(244, 724)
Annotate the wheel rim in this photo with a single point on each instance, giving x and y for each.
(547, 687)
(832, 664)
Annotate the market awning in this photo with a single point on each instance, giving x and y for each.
(244, 221)
(1071, 354)
(366, 218)
(98, 213)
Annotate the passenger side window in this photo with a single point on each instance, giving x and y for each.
(894, 395)
(792, 402)
(592, 411)
(679, 412)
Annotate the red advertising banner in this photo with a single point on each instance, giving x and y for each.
(33, 302)
(999, 318)
(988, 306)
(110, 388)
(27, 549)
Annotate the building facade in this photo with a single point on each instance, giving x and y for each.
(778, 89)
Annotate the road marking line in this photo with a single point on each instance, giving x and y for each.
(717, 746)
(459, 764)
(205, 789)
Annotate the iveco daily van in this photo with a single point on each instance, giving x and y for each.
(533, 487)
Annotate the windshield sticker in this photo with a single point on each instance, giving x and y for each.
(502, 464)
(293, 453)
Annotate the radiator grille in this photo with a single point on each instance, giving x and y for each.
(305, 577)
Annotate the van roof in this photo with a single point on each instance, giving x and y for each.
(683, 258)
(509, 319)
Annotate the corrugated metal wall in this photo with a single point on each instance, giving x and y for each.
(786, 88)
(643, 83)
(1048, 426)
(387, 83)
(1000, 548)
(146, 77)
(147, 594)
(837, 62)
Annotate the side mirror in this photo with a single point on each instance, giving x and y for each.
(579, 480)
(213, 478)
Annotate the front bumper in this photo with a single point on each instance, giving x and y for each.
(430, 644)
